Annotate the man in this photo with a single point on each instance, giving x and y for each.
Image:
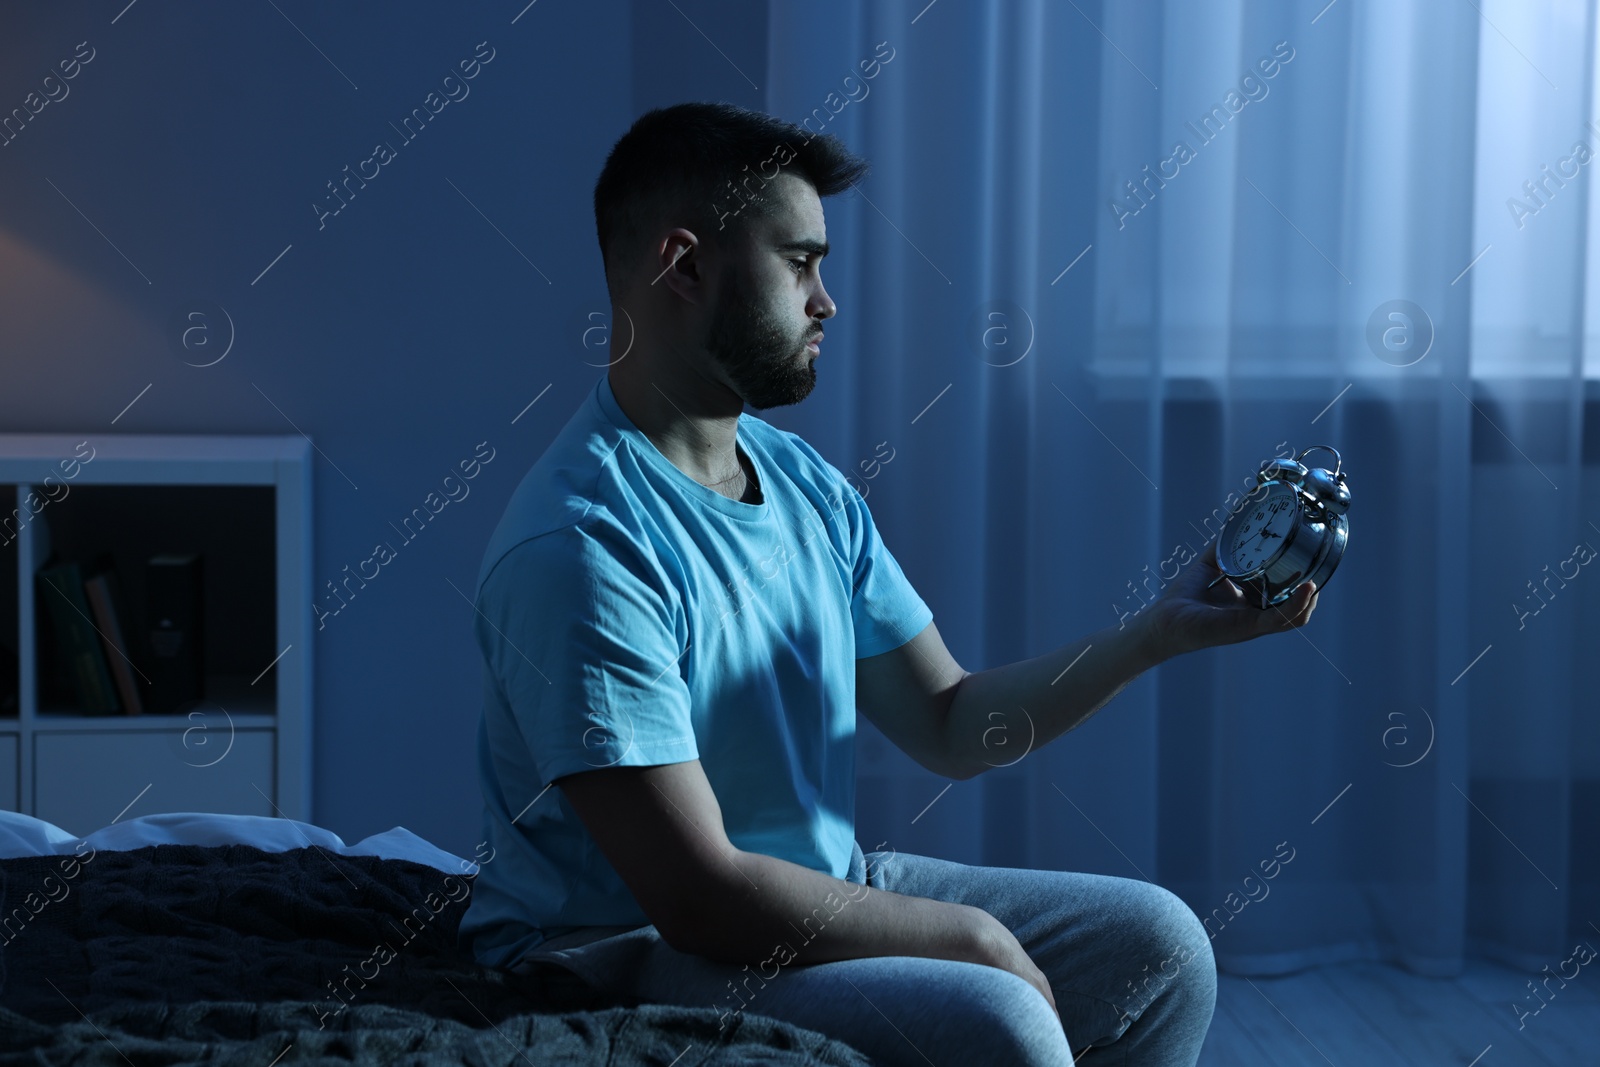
(680, 614)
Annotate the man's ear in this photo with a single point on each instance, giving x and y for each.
(677, 265)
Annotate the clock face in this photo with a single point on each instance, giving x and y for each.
(1258, 532)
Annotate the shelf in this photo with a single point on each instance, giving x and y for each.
(177, 459)
(215, 720)
(231, 527)
(227, 697)
(10, 637)
(243, 504)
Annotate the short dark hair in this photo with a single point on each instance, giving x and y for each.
(702, 164)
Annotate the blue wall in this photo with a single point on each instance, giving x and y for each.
(400, 333)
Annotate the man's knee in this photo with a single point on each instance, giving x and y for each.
(1016, 1023)
(915, 1010)
(1170, 956)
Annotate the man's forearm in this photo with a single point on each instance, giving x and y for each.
(768, 912)
(999, 715)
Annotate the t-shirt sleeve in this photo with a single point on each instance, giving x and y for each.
(886, 610)
(580, 636)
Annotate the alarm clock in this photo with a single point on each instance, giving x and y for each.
(1290, 530)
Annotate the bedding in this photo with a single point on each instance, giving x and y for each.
(23, 835)
(229, 939)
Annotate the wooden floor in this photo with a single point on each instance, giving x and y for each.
(1371, 1015)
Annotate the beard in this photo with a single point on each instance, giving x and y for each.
(764, 357)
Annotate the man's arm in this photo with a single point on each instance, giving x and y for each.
(662, 830)
(960, 724)
(1000, 715)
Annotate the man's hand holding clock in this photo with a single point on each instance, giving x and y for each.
(1195, 611)
(1261, 573)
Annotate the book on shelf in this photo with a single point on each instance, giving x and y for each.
(103, 590)
(62, 589)
(10, 682)
(175, 631)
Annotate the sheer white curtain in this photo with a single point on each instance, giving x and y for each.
(1076, 339)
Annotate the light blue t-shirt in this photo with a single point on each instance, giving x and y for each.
(630, 616)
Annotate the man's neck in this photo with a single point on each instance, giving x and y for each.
(699, 443)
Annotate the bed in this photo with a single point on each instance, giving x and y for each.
(188, 937)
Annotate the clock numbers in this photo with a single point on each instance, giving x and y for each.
(1260, 536)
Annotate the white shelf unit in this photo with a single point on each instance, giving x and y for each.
(246, 748)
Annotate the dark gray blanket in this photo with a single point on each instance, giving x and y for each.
(181, 953)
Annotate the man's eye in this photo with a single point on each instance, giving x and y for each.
(798, 263)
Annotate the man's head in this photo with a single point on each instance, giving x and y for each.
(710, 225)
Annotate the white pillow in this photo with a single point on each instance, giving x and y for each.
(23, 835)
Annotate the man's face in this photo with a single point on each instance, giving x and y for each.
(770, 300)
